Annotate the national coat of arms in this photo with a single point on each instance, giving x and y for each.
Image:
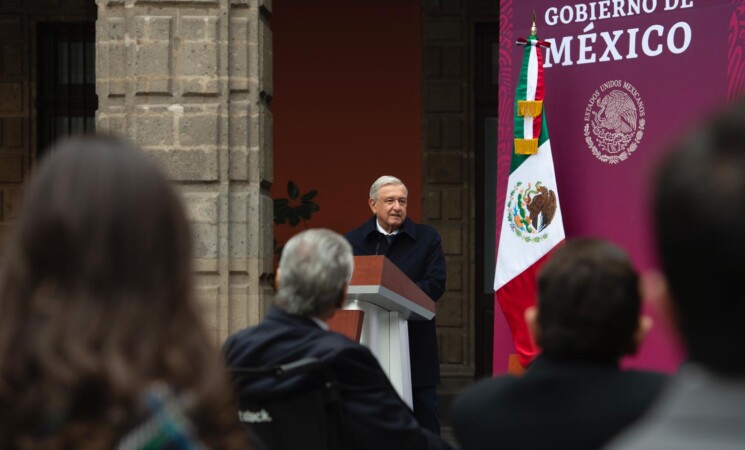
(614, 121)
(530, 209)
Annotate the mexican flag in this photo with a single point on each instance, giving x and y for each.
(531, 217)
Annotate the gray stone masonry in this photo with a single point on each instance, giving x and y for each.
(189, 81)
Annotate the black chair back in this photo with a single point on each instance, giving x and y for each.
(308, 417)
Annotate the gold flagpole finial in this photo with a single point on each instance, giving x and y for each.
(534, 29)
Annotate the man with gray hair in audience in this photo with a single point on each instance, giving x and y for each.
(314, 271)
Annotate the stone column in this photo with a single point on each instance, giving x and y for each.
(189, 81)
(448, 174)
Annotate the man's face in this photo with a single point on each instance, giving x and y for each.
(390, 206)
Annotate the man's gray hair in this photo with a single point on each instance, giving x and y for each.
(314, 271)
(385, 180)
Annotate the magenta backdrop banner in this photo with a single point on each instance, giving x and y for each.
(623, 79)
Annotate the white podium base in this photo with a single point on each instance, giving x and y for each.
(386, 334)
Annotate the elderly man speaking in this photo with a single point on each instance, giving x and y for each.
(417, 250)
(313, 274)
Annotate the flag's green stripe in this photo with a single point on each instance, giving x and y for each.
(520, 93)
(519, 125)
(517, 160)
(522, 86)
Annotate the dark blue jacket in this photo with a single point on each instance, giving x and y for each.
(556, 404)
(417, 251)
(374, 415)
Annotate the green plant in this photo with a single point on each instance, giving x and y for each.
(294, 209)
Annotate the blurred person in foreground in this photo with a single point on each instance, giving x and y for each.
(314, 271)
(574, 395)
(699, 217)
(101, 344)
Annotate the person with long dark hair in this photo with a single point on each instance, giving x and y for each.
(101, 342)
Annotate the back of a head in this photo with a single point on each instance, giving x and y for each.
(699, 211)
(100, 227)
(589, 302)
(96, 297)
(314, 271)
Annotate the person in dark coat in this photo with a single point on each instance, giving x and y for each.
(314, 271)
(574, 395)
(416, 249)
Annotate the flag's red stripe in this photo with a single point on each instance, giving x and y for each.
(540, 91)
(514, 298)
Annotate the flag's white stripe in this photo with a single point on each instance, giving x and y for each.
(515, 255)
(532, 82)
(531, 86)
(527, 127)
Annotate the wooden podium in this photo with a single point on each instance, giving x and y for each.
(388, 299)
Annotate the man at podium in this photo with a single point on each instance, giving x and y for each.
(416, 249)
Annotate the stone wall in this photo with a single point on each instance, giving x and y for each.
(448, 172)
(190, 82)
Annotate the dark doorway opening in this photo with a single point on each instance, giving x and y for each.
(486, 92)
(66, 91)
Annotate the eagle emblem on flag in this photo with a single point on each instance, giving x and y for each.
(531, 209)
